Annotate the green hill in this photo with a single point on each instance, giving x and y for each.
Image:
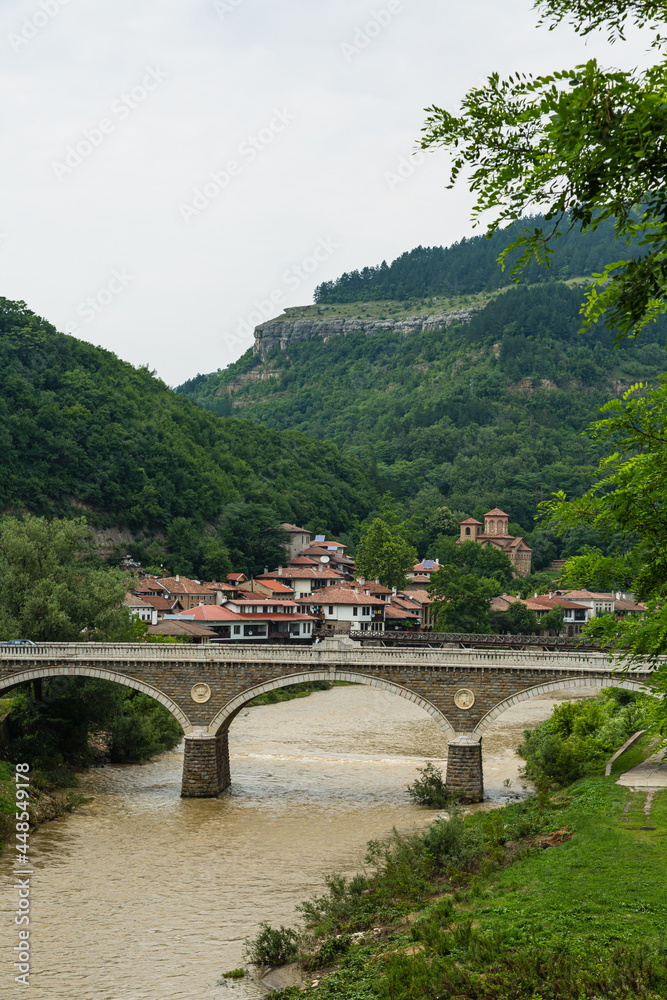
(487, 412)
(472, 266)
(83, 432)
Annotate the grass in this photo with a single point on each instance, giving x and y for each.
(390, 309)
(582, 919)
(634, 755)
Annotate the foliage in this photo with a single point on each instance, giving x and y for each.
(291, 691)
(626, 503)
(273, 946)
(429, 789)
(82, 430)
(384, 555)
(580, 921)
(468, 266)
(586, 145)
(579, 737)
(467, 417)
(592, 570)
(52, 730)
(49, 591)
(461, 601)
(470, 557)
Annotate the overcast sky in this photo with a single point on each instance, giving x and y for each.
(176, 171)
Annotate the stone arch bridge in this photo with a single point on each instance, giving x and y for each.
(205, 687)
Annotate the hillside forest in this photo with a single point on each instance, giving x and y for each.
(485, 413)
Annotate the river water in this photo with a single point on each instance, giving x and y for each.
(142, 895)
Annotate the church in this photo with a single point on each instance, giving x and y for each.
(495, 533)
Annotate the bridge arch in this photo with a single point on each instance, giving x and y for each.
(226, 714)
(39, 673)
(559, 685)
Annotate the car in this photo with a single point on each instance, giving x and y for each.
(17, 642)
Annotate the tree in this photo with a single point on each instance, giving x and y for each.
(584, 145)
(50, 591)
(462, 600)
(472, 558)
(628, 501)
(383, 554)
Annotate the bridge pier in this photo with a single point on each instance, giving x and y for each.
(205, 765)
(464, 777)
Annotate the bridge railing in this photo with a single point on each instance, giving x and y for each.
(330, 654)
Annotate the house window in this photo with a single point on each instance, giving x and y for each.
(467, 531)
(253, 629)
(237, 630)
(355, 611)
(331, 609)
(365, 611)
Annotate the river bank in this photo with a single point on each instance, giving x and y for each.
(142, 895)
(560, 897)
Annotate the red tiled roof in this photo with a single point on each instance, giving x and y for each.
(162, 603)
(340, 595)
(303, 561)
(305, 573)
(496, 512)
(420, 595)
(394, 611)
(375, 588)
(587, 595)
(176, 628)
(183, 585)
(470, 520)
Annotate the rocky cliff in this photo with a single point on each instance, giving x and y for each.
(283, 332)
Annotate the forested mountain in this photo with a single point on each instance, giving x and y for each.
(83, 432)
(472, 266)
(489, 413)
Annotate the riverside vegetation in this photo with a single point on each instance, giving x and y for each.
(550, 898)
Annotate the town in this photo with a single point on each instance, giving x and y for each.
(318, 593)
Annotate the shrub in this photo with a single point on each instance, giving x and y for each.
(579, 737)
(329, 951)
(273, 946)
(429, 790)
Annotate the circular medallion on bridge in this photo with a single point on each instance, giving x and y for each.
(200, 692)
(464, 699)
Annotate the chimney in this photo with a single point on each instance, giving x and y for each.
(377, 579)
(280, 571)
(551, 595)
(535, 594)
(518, 595)
(177, 578)
(394, 591)
(266, 569)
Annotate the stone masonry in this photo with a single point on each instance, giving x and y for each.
(205, 687)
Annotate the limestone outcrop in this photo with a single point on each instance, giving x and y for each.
(283, 332)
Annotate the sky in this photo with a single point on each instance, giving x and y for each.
(177, 172)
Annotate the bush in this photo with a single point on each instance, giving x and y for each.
(273, 946)
(429, 790)
(579, 737)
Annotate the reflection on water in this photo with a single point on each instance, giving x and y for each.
(143, 894)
